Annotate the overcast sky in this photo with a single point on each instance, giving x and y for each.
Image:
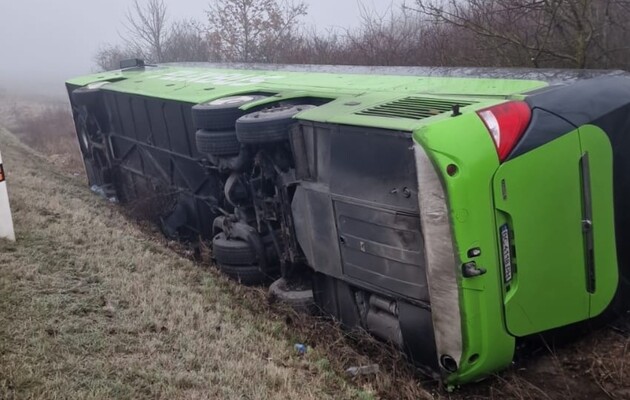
(48, 41)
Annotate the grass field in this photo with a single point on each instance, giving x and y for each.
(96, 305)
(90, 307)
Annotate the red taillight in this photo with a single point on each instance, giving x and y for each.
(506, 123)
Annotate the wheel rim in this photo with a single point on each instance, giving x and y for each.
(231, 100)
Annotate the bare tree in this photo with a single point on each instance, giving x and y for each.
(252, 30)
(150, 36)
(313, 47)
(509, 33)
(186, 42)
(146, 29)
(391, 38)
(557, 33)
(108, 57)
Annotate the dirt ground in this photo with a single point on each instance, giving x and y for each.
(96, 305)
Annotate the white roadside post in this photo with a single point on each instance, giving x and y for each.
(6, 222)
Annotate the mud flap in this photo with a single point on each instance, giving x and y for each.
(334, 297)
(416, 325)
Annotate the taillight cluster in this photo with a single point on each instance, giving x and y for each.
(506, 123)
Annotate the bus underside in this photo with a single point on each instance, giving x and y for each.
(314, 207)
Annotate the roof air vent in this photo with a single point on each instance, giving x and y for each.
(413, 108)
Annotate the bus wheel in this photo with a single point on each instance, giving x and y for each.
(221, 114)
(232, 251)
(269, 125)
(217, 143)
(299, 298)
(245, 274)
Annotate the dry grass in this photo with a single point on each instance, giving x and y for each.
(92, 308)
(46, 127)
(96, 305)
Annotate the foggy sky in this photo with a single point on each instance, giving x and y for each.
(45, 42)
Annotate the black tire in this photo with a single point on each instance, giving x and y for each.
(87, 132)
(245, 274)
(267, 126)
(219, 143)
(221, 114)
(233, 252)
(301, 300)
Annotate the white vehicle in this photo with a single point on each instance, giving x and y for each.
(6, 222)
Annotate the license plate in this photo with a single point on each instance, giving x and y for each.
(506, 253)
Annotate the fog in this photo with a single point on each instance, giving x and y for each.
(45, 42)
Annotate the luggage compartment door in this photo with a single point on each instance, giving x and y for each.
(538, 197)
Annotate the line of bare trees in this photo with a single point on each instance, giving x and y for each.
(507, 33)
(149, 34)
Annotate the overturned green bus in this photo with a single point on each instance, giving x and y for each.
(452, 212)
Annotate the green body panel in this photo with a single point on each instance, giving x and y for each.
(596, 144)
(544, 209)
(539, 195)
(197, 85)
(463, 141)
